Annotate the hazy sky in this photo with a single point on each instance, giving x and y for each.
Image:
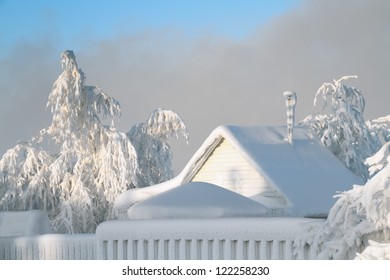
(213, 62)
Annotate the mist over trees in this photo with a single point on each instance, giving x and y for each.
(361, 213)
(77, 185)
(343, 129)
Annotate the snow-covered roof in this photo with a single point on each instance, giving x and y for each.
(196, 200)
(307, 173)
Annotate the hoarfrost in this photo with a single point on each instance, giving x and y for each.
(152, 142)
(95, 163)
(359, 215)
(343, 130)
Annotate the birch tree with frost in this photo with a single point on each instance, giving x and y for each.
(95, 162)
(152, 143)
(24, 179)
(343, 130)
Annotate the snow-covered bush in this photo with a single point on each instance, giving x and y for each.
(95, 163)
(343, 130)
(359, 215)
(151, 141)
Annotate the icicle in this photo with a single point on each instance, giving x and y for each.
(291, 101)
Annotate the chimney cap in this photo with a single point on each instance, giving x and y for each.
(289, 94)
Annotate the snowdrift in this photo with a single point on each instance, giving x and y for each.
(196, 200)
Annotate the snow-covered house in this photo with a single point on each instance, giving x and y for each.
(298, 179)
(259, 163)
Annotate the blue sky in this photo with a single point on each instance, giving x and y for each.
(69, 21)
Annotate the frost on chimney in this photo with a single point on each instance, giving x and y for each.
(291, 101)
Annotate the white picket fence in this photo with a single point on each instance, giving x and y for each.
(238, 238)
(49, 247)
(200, 249)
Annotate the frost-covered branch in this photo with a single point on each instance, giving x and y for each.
(343, 130)
(359, 215)
(94, 165)
(24, 183)
(94, 162)
(152, 143)
(380, 127)
(380, 160)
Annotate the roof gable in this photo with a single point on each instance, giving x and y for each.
(227, 167)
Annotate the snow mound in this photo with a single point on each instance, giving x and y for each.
(130, 197)
(24, 223)
(196, 200)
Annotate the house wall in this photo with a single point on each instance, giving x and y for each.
(227, 168)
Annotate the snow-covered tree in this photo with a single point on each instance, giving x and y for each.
(152, 143)
(24, 179)
(381, 127)
(343, 130)
(359, 215)
(95, 163)
(379, 161)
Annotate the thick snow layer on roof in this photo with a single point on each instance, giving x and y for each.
(196, 200)
(306, 172)
(24, 223)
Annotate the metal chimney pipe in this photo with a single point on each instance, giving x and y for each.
(291, 101)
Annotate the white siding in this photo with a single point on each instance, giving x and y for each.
(227, 168)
